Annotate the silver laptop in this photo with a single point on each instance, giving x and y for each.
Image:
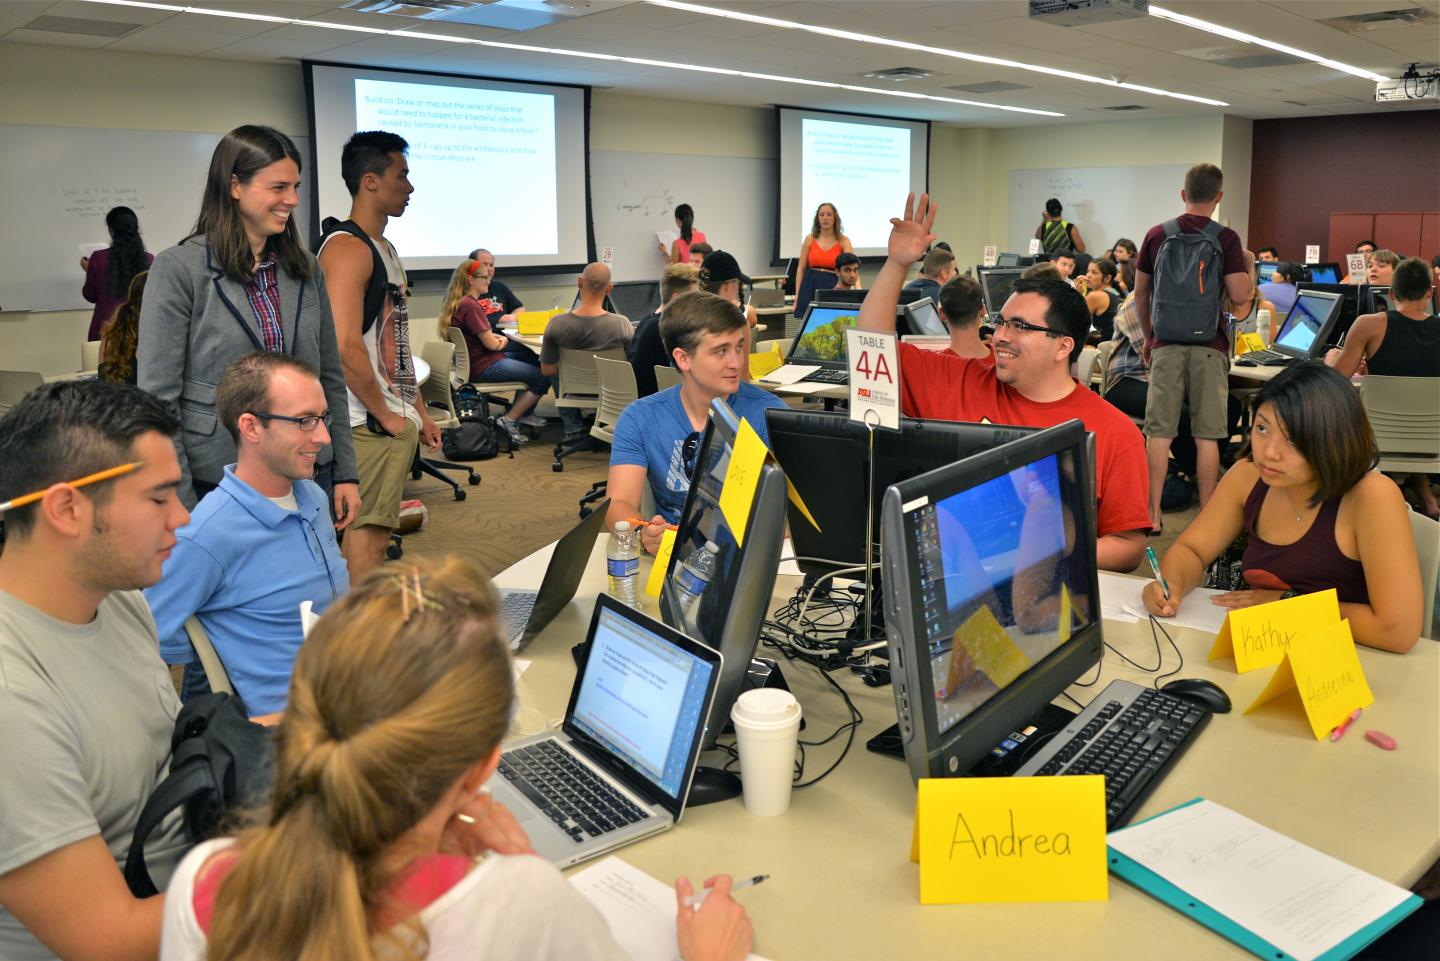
(524, 614)
(819, 344)
(620, 767)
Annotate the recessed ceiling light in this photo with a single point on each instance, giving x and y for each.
(1218, 30)
(922, 48)
(562, 52)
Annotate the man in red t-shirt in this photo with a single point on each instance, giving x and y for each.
(1193, 375)
(1040, 332)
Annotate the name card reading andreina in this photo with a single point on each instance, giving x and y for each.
(1325, 675)
(1259, 636)
(1010, 839)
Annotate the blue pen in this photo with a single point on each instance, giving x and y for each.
(1155, 566)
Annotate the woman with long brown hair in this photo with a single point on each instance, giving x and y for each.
(400, 698)
(242, 281)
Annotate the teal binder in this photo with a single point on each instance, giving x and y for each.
(1157, 887)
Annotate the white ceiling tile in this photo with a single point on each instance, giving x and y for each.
(50, 39)
(15, 15)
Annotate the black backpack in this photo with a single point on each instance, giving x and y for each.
(478, 436)
(379, 276)
(1189, 276)
(220, 761)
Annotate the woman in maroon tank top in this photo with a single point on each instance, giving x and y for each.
(1316, 512)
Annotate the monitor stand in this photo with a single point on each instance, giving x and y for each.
(713, 784)
(1013, 751)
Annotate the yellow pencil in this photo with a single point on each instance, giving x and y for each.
(94, 478)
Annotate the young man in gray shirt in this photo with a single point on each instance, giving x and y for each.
(86, 705)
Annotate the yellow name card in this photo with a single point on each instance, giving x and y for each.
(1259, 636)
(1248, 342)
(764, 362)
(742, 477)
(532, 322)
(1325, 675)
(1011, 839)
(662, 563)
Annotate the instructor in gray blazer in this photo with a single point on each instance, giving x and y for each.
(205, 299)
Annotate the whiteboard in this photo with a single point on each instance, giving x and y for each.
(57, 183)
(633, 195)
(1104, 203)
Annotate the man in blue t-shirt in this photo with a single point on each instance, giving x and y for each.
(657, 437)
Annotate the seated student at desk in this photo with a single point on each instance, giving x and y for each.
(1245, 314)
(698, 253)
(1380, 268)
(1316, 515)
(1401, 342)
(962, 307)
(488, 351)
(400, 700)
(646, 350)
(1040, 333)
(657, 437)
(1101, 295)
(1280, 289)
(847, 266)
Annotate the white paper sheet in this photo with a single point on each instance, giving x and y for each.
(809, 387)
(87, 249)
(1120, 600)
(789, 373)
(639, 909)
(1301, 900)
(667, 237)
(518, 666)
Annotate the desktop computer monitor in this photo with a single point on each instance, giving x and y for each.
(1323, 273)
(995, 286)
(1307, 327)
(991, 595)
(1353, 299)
(1007, 260)
(825, 456)
(729, 612)
(840, 298)
(1265, 271)
(1378, 299)
(821, 337)
(921, 318)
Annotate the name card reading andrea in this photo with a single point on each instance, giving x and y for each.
(1259, 636)
(1011, 839)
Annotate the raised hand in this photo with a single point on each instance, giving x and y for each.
(911, 236)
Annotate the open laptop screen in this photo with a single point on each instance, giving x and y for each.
(822, 338)
(1306, 322)
(642, 699)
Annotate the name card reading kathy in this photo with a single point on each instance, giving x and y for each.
(1259, 636)
(1325, 675)
(1011, 839)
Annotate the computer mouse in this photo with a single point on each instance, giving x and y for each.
(711, 784)
(1205, 693)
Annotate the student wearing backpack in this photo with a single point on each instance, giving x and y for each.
(1057, 234)
(1184, 265)
(86, 704)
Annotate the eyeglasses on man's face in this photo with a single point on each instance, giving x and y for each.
(1010, 323)
(306, 423)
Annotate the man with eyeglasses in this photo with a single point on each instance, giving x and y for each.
(261, 542)
(1040, 332)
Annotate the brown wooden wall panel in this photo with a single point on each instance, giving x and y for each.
(1398, 232)
(1346, 230)
(1303, 169)
(1429, 236)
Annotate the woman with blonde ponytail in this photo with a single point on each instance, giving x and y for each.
(381, 842)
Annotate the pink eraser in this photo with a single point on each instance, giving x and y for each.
(1381, 740)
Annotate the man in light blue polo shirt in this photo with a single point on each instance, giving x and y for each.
(262, 541)
(657, 437)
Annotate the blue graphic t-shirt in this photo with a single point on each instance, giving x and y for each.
(651, 434)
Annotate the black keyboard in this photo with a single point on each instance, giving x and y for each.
(1267, 358)
(1130, 734)
(578, 800)
(828, 375)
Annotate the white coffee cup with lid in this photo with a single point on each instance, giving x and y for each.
(767, 726)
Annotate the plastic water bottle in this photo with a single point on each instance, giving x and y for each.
(1262, 325)
(693, 577)
(622, 563)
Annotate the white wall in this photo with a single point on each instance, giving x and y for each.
(969, 167)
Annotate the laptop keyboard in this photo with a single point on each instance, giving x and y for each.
(578, 800)
(828, 375)
(1268, 358)
(1132, 744)
(515, 612)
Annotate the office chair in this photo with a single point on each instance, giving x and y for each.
(577, 386)
(441, 405)
(617, 391)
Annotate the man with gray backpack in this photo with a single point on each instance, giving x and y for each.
(1183, 267)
